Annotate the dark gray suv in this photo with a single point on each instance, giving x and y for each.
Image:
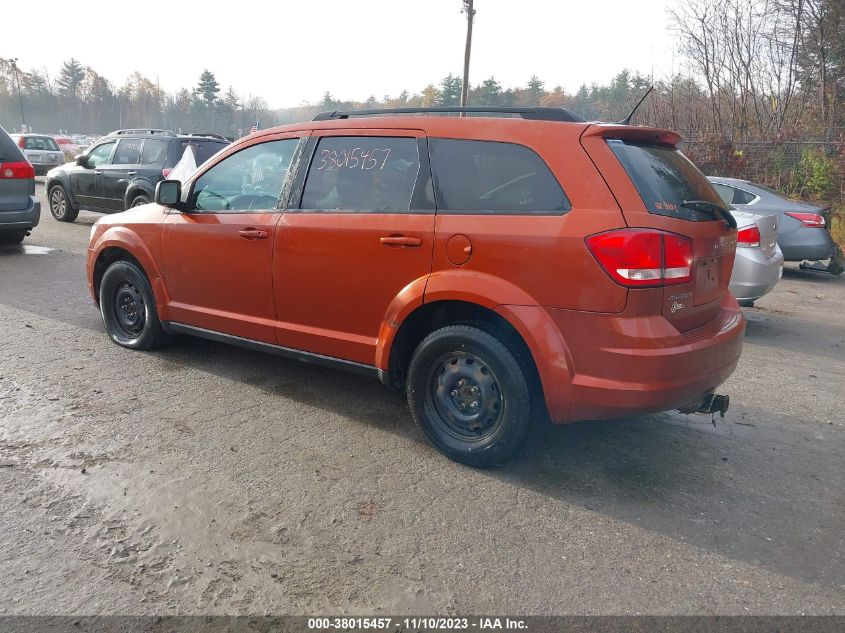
(20, 210)
(121, 170)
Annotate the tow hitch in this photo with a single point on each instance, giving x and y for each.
(712, 403)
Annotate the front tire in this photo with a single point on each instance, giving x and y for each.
(128, 307)
(469, 395)
(60, 205)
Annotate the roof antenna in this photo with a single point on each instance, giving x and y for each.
(627, 119)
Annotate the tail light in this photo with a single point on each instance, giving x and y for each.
(21, 170)
(813, 220)
(166, 171)
(748, 237)
(22, 142)
(639, 258)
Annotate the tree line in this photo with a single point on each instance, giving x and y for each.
(746, 70)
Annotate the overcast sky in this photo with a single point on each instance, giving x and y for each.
(290, 52)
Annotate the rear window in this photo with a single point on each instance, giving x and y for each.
(9, 151)
(44, 143)
(665, 179)
(203, 150)
(493, 177)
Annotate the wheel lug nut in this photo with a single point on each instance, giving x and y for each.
(474, 405)
(461, 382)
(454, 393)
(462, 406)
(474, 390)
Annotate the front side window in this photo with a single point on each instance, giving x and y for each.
(362, 173)
(128, 152)
(154, 151)
(668, 183)
(100, 154)
(248, 180)
(493, 177)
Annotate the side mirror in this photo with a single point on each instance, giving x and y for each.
(81, 160)
(169, 193)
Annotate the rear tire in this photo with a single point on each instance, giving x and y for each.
(11, 238)
(469, 396)
(138, 200)
(60, 204)
(128, 307)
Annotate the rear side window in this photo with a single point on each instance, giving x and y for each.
(203, 150)
(493, 177)
(154, 151)
(44, 143)
(362, 173)
(128, 152)
(9, 151)
(666, 179)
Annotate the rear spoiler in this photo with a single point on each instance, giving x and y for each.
(632, 133)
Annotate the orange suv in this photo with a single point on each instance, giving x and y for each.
(500, 268)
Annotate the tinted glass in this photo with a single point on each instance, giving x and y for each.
(41, 142)
(128, 152)
(742, 197)
(732, 195)
(251, 179)
(492, 177)
(9, 151)
(665, 179)
(100, 154)
(203, 150)
(154, 151)
(362, 173)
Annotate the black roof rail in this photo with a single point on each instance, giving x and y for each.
(207, 135)
(143, 131)
(536, 113)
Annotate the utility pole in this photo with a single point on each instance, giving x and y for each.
(470, 15)
(18, 83)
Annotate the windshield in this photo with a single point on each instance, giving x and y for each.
(666, 180)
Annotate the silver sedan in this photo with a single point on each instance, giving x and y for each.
(758, 265)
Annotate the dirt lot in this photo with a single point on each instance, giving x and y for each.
(205, 478)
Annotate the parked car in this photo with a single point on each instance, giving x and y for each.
(70, 147)
(20, 210)
(40, 150)
(759, 261)
(804, 229)
(498, 271)
(121, 170)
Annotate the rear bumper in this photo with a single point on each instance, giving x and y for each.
(807, 243)
(623, 365)
(24, 219)
(754, 274)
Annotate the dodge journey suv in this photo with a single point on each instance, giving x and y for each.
(499, 269)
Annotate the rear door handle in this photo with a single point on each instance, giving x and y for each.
(253, 234)
(97, 172)
(131, 173)
(401, 240)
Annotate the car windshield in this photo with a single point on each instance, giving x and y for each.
(668, 183)
(44, 143)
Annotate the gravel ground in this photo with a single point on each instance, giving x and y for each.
(209, 479)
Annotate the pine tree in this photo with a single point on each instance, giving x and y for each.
(208, 87)
(450, 90)
(70, 77)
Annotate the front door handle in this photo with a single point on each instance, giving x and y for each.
(97, 172)
(401, 240)
(253, 234)
(131, 173)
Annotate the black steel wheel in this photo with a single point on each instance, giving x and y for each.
(60, 205)
(469, 395)
(128, 307)
(138, 200)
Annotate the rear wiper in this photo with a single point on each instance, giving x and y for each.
(710, 207)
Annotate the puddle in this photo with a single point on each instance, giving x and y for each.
(30, 249)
